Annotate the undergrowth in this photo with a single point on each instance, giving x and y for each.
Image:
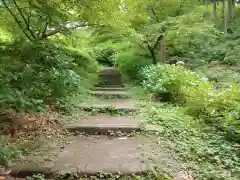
(111, 176)
(204, 150)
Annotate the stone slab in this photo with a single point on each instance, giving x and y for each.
(110, 88)
(111, 94)
(105, 123)
(119, 104)
(89, 155)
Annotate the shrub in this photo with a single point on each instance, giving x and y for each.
(32, 75)
(105, 56)
(190, 37)
(217, 107)
(130, 64)
(221, 73)
(168, 79)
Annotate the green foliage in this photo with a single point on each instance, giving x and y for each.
(130, 64)
(32, 75)
(105, 56)
(170, 79)
(194, 40)
(204, 151)
(7, 152)
(37, 20)
(218, 107)
(221, 73)
(191, 38)
(36, 177)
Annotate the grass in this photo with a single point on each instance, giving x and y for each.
(204, 151)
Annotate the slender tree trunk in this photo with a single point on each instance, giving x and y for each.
(215, 12)
(152, 52)
(224, 17)
(207, 14)
(162, 52)
(230, 10)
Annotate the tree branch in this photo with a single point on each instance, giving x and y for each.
(153, 11)
(16, 20)
(45, 29)
(63, 28)
(24, 19)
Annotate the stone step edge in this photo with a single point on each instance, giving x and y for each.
(107, 107)
(22, 171)
(99, 88)
(111, 94)
(103, 128)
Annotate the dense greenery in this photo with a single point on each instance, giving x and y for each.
(218, 107)
(32, 75)
(50, 52)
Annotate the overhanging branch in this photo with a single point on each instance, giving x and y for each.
(63, 28)
(16, 20)
(24, 19)
(153, 11)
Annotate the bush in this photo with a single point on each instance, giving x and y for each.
(217, 107)
(32, 75)
(105, 56)
(130, 64)
(193, 39)
(168, 79)
(221, 73)
(188, 36)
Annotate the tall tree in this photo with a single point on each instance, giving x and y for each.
(224, 16)
(207, 13)
(215, 12)
(230, 9)
(148, 16)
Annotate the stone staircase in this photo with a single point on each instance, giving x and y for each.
(97, 145)
(112, 96)
(108, 151)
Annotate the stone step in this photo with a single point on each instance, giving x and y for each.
(111, 94)
(123, 105)
(89, 155)
(104, 123)
(109, 71)
(110, 76)
(110, 88)
(110, 83)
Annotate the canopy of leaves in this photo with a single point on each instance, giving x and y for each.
(39, 19)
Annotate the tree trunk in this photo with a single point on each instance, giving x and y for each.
(215, 12)
(162, 49)
(207, 14)
(224, 17)
(230, 10)
(152, 52)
